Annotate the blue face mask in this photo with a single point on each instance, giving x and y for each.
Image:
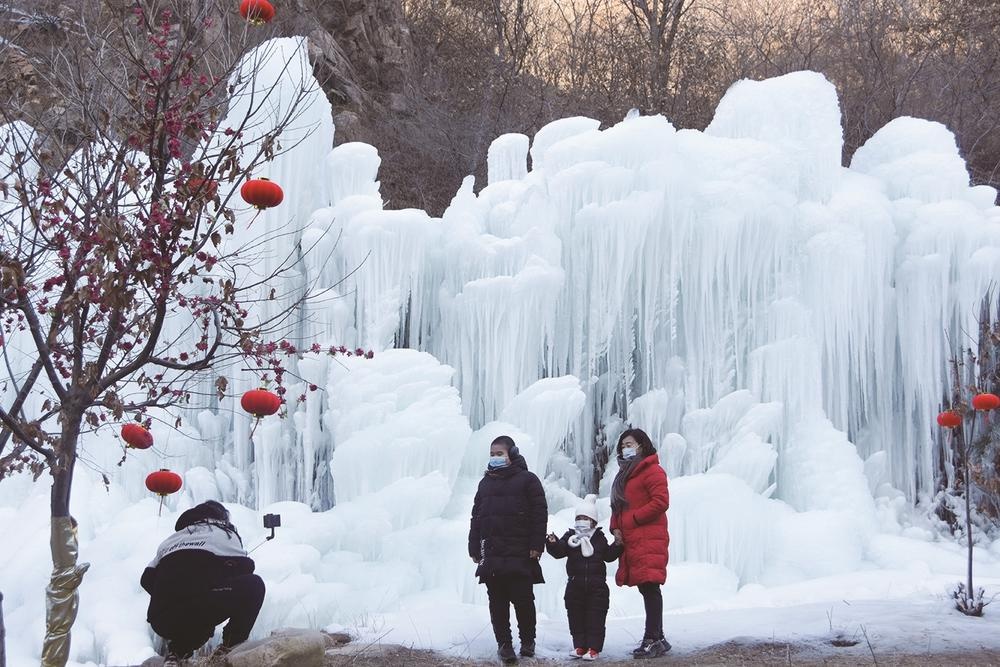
(629, 452)
(498, 461)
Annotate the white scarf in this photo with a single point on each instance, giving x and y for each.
(582, 540)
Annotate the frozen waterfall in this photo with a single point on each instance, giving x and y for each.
(771, 317)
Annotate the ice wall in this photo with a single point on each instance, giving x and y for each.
(769, 316)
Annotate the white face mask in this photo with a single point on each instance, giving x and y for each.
(629, 452)
(583, 526)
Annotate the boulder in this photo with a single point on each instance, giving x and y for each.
(284, 648)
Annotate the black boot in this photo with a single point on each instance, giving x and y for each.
(527, 648)
(651, 648)
(505, 651)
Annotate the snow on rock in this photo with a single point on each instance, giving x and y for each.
(717, 518)
(821, 470)
(914, 158)
(797, 112)
(555, 132)
(393, 417)
(546, 410)
(507, 158)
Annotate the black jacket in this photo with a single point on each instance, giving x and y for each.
(190, 562)
(509, 516)
(577, 565)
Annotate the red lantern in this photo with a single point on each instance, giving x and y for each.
(260, 402)
(257, 12)
(164, 482)
(136, 436)
(986, 402)
(949, 419)
(205, 188)
(262, 193)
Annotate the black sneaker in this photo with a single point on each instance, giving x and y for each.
(505, 652)
(171, 659)
(640, 650)
(651, 648)
(528, 648)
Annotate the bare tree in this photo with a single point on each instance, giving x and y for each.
(968, 467)
(121, 280)
(659, 23)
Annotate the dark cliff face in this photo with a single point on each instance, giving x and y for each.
(361, 49)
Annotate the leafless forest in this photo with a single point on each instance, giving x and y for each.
(484, 67)
(431, 82)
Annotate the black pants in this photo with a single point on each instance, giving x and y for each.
(652, 598)
(587, 602)
(188, 626)
(504, 590)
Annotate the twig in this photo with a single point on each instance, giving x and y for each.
(870, 648)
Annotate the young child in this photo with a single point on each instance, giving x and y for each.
(586, 550)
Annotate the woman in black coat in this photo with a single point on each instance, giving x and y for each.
(506, 539)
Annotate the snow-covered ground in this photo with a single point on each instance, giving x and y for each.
(776, 321)
(416, 586)
(911, 625)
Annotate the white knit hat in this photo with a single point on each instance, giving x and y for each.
(588, 507)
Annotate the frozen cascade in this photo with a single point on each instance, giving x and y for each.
(507, 158)
(546, 410)
(768, 315)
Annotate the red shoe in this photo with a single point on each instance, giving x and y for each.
(578, 653)
(591, 655)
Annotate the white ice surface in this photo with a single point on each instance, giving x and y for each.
(777, 321)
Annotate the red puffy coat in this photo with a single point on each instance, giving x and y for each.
(644, 525)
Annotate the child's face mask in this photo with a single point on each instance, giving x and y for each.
(582, 526)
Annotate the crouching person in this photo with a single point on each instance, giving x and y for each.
(201, 576)
(587, 596)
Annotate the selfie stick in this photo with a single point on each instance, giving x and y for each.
(271, 521)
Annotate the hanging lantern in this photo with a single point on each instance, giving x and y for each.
(260, 402)
(164, 482)
(136, 436)
(986, 402)
(257, 12)
(262, 193)
(949, 419)
(205, 188)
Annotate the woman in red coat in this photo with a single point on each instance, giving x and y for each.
(639, 501)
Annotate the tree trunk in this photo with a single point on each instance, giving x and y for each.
(61, 596)
(62, 476)
(3, 652)
(968, 523)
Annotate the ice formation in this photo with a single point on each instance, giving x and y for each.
(776, 321)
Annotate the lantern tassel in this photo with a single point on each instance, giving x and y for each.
(160, 511)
